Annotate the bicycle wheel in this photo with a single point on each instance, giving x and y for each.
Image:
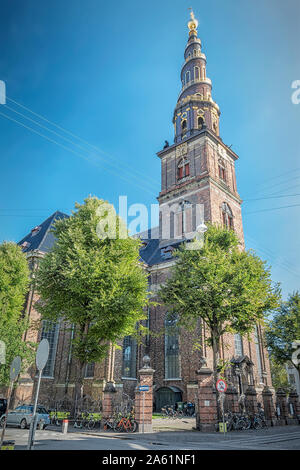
(91, 424)
(247, 423)
(131, 426)
(257, 424)
(118, 426)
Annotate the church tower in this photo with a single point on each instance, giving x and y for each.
(198, 170)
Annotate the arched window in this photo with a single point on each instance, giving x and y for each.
(238, 345)
(197, 73)
(227, 216)
(129, 357)
(222, 170)
(200, 122)
(187, 77)
(172, 362)
(183, 168)
(50, 331)
(183, 126)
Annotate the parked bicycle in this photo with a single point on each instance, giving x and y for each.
(170, 412)
(189, 409)
(237, 421)
(84, 420)
(126, 423)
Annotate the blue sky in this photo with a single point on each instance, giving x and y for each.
(109, 73)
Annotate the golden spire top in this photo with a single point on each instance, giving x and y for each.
(193, 23)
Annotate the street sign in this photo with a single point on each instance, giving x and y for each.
(15, 368)
(41, 358)
(42, 354)
(144, 388)
(221, 385)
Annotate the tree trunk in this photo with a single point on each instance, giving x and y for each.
(216, 359)
(78, 391)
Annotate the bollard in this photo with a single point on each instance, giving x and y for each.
(65, 424)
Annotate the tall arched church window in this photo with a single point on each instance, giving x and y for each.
(172, 360)
(227, 216)
(258, 354)
(183, 168)
(197, 73)
(129, 357)
(238, 345)
(50, 331)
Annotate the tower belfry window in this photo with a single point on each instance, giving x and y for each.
(222, 171)
(200, 122)
(227, 216)
(183, 168)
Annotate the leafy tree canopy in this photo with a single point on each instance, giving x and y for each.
(229, 289)
(14, 283)
(284, 328)
(14, 280)
(96, 283)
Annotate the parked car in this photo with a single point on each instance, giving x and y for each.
(3, 406)
(22, 416)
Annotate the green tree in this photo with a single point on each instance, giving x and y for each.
(279, 376)
(284, 329)
(93, 278)
(14, 283)
(229, 289)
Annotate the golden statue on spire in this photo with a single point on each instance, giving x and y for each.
(193, 23)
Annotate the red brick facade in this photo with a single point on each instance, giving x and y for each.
(211, 181)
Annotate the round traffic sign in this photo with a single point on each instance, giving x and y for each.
(42, 354)
(15, 368)
(221, 385)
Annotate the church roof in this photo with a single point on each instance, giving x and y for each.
(153, 251)
(41, 238)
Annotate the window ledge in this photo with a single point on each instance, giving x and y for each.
(166, 380)
(128, 378)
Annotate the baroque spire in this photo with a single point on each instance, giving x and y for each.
(195, 109)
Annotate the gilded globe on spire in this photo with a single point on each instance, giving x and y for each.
(193, 24)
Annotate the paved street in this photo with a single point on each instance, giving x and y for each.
(277, 438)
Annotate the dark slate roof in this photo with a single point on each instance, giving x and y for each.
(151, 253)
(43, 239)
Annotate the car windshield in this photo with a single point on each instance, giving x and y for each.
(25, 409)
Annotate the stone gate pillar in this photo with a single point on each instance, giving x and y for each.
(232, 402)
(144, 400)
(206, 417)
(268, 405)
(282, 405)
(294, 403)
(251, 399)
(108, 394)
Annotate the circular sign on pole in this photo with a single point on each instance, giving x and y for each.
(221, 385)
(15, 368)
(42, 354)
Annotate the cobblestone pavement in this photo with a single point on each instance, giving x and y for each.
(275, 438)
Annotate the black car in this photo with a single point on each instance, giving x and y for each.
(3, 406)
